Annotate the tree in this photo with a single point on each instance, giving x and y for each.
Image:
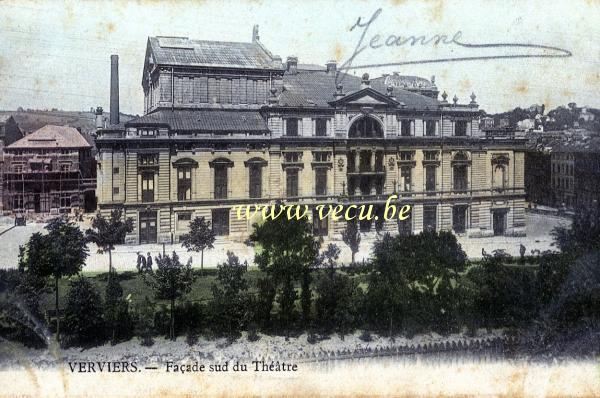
(60, 253)
(584, 233)
(329, 258)
(20, 314)
(285, 247)
(116, 312)
(200, 237)
(106, 233)
(83, 314)
(337, 295)
(171, 281)
(424, 268)
(144, 322)
(351, 237)
(230, 298)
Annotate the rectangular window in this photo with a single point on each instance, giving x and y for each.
(429, 218)
(148, 187)
(291, 127)
(406, 179)
(115, 190)
(220, 181)
(320, 227)
(459, 219)
(292, 182)
(430, 178)
(320, 127)
(116, 170)
(460, 178)
(405, 226)
(146, 159)
(430, 155)
(184, 216)
(147, 133)
(183, 221)
(321, 181)
(220, 222)
(184, 183)
(291, 157)
(460, 128)
(430, 128)
(255, 183)
(321, 157)
(405, 128)
(407, 155)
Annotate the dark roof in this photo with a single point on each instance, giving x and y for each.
(5, 118)
(204, 120)
(314, 88)
(51, 136)
(183, 51)
(306, 89)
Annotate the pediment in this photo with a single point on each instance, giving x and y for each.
(366, 97)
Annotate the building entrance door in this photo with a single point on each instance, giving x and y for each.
(499, 222)
(148, 227)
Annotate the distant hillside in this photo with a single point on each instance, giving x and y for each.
(31, 120)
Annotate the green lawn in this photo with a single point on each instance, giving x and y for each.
(133, 284)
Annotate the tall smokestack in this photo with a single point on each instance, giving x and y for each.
(114, 89)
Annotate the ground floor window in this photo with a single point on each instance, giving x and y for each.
(320, 227)
(220, 221)
(429, 218)
(459, 218)
(183, 220)
(405, 226)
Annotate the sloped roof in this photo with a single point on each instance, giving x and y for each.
(4, 118)
(316, 88)
(184, 51)
(51, 136)
(204, 120)
(313, 88)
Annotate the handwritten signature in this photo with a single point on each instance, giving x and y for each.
(378, 41)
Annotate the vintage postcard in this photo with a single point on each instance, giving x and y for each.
(299, 198)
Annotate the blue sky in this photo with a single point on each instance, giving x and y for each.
(57, 54)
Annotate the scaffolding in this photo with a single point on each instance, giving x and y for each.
(49, 184)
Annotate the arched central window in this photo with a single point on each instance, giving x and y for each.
(365, 127)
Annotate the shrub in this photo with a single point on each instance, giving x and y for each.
(119, 324)
(84, 323)
(144, 325)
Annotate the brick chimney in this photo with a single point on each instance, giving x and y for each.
(292, 65)
(114, 89)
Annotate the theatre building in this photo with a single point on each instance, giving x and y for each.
(227, 124)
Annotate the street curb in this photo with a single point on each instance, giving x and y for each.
(6, 230)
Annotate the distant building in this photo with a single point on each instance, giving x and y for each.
(563, 176)
(563, 170)
(48, 171)
(538, 177)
